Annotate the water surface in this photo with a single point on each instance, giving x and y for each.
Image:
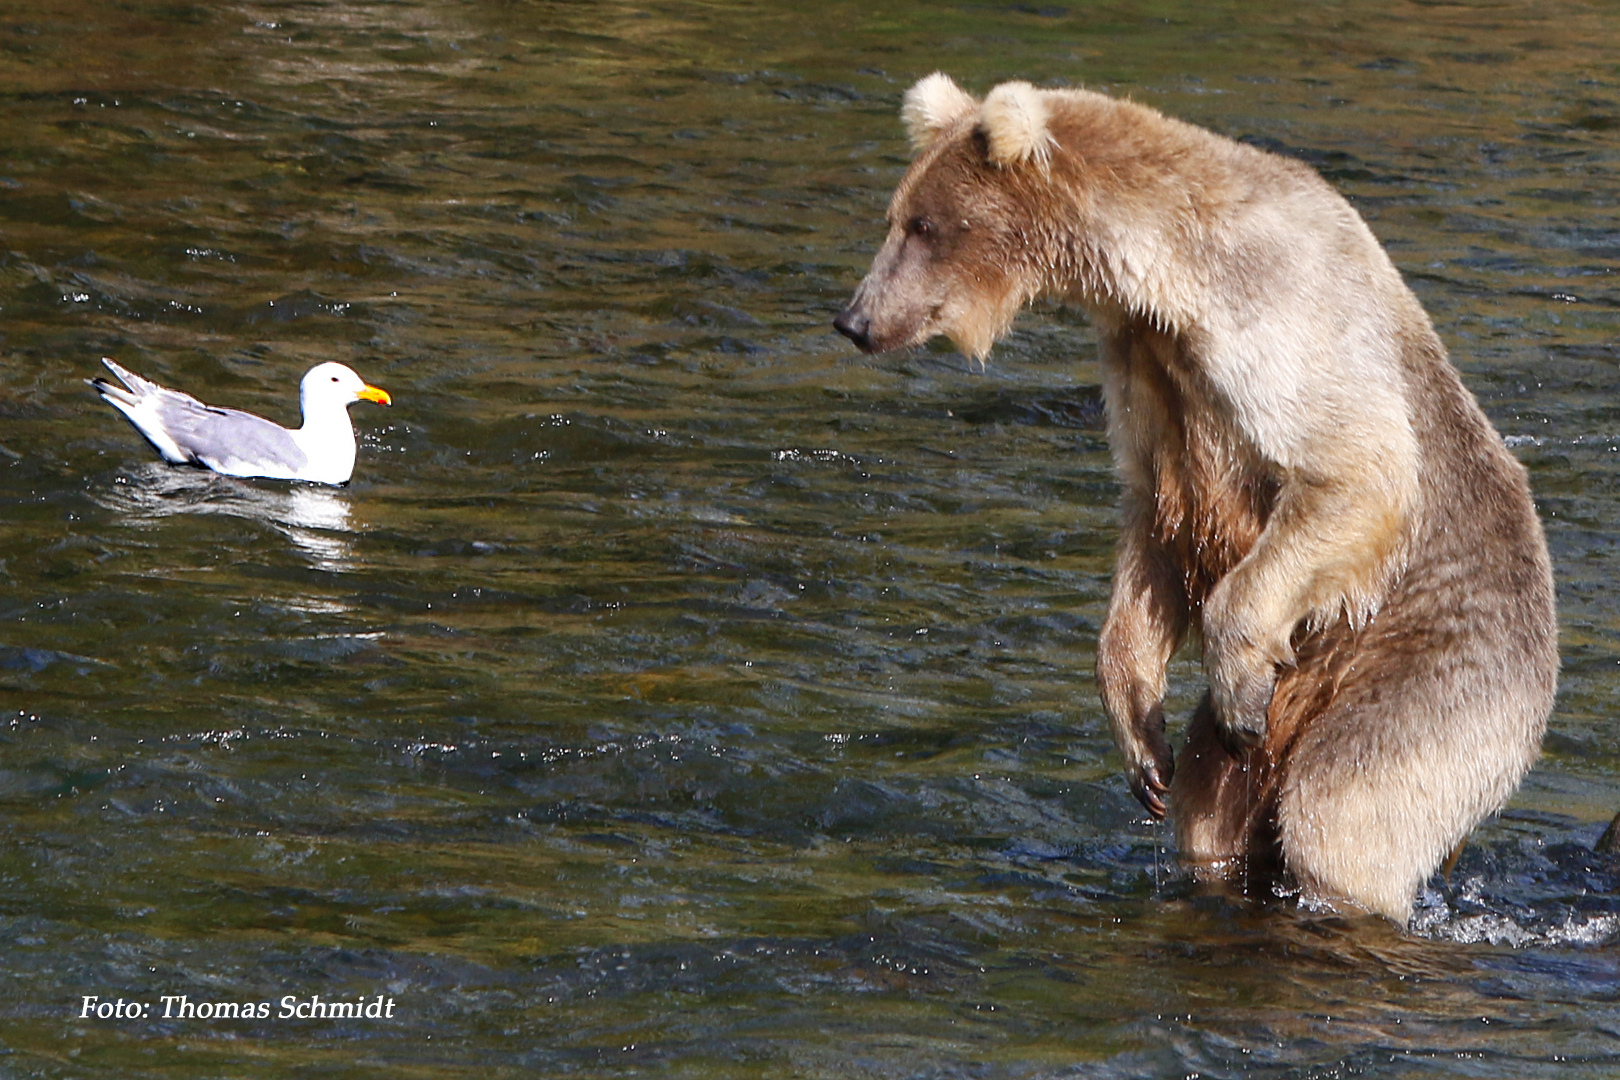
(675, 691)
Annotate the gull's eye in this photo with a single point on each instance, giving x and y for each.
(334, 378)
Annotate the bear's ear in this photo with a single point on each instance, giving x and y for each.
(933, 105)
(1014, 123)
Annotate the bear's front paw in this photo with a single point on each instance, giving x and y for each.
(1241, 704)
(1149, 764)
(1151, 783)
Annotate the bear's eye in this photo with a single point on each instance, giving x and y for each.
(920, 226)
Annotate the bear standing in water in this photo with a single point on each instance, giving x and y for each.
(1308, 487)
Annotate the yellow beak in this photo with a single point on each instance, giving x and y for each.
(375, 393)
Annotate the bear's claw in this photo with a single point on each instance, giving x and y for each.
(1150, 779)
(1150, 790)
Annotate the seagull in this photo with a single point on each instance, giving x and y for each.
(187, 432)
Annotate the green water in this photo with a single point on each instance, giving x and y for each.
(675, 691)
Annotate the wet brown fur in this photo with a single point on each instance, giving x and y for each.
(1308, 489)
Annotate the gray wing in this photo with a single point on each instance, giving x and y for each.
(183, 429)
(227, 439)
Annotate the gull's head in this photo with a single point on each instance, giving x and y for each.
(334, 384)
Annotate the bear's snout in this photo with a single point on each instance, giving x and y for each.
(855, 325)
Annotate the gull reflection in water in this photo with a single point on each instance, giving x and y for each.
(318, 520)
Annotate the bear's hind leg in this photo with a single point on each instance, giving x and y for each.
(1383, 784)
(1222, 805)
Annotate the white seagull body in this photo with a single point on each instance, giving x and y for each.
(187, 432)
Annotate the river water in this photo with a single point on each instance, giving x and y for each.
(675, 691)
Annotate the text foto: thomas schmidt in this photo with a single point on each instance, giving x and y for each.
(290, 1007)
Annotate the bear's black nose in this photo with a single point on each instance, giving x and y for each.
(855, 326)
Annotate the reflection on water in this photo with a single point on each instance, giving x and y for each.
(317, 519)
(673, 690)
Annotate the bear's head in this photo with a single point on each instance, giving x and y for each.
(958, 258)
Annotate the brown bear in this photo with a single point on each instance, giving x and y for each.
(1309, 490)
